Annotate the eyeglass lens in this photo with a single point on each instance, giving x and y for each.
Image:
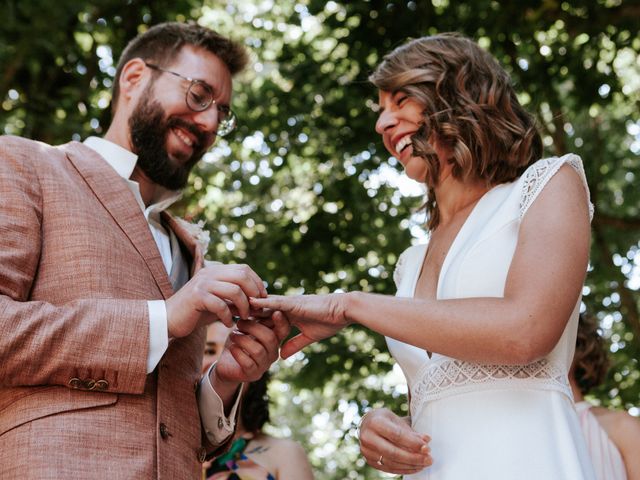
(200, 96)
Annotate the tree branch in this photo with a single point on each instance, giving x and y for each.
(616, 222)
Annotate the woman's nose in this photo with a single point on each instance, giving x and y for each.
(385, 121)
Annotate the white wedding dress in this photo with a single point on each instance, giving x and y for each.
(493, 422)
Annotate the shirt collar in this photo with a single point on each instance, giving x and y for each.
(123, 162)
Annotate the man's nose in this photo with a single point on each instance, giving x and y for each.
(208, 119)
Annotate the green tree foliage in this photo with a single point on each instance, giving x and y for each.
(304, 191)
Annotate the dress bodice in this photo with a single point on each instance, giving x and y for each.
(477, 265)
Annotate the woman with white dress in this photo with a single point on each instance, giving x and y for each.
(484, 320)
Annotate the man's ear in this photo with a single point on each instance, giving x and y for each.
(133, 78)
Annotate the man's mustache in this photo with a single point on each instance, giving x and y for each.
(200, 136)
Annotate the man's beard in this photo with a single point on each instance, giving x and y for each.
(149, 130)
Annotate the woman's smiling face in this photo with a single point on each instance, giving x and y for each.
(399, 119)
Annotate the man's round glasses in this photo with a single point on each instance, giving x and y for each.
(200, 96)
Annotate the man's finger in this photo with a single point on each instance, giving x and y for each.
(261, 333)
(255, 278)
(252, 283)
(219, 308)
(244, 360)
(253, 348)
(241, 275)
(232, 293)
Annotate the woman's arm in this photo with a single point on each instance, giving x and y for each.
(542, 287)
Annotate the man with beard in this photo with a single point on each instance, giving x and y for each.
(104, 297)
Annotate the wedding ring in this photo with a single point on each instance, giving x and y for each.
(380, 462)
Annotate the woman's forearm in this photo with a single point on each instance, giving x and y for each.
(486, 330)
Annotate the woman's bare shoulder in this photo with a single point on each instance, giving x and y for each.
(277, 444)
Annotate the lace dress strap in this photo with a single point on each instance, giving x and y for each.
(398, 272)
(538, 175)
(408, 258)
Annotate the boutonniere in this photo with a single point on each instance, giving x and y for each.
(197, 232)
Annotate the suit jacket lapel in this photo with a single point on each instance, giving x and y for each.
(188, 240)
(114, 194)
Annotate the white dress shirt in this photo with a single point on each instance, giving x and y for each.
(217, 426)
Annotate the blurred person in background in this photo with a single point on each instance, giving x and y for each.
(612, 436)
(253, 455)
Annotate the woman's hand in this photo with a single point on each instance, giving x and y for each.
(316, 316)
(389, 444)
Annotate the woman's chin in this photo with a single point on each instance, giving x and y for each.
(416, 173)
(415, 168)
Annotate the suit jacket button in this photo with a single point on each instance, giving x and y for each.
(220, 423)
(102, 385)
(164, 431)
(75, 383)
(90, 384)
(202, 454)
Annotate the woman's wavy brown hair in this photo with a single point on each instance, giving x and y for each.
(591, 361)
(470, 107)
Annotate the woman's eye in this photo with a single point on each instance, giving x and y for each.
(401, 99)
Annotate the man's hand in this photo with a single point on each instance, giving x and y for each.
(248, 353)
(316, 316)
(389, 444)
(216, 292)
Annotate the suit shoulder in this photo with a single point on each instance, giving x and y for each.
(24, 148)
(26, 154)
(13, 141)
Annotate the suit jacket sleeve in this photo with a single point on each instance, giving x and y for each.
(43, 343)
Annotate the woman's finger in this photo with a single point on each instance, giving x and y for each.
(272, 302)
(395, 457)
(294, 345)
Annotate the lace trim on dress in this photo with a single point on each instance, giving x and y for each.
(446, 377)
(538, 174)
(399, 270)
